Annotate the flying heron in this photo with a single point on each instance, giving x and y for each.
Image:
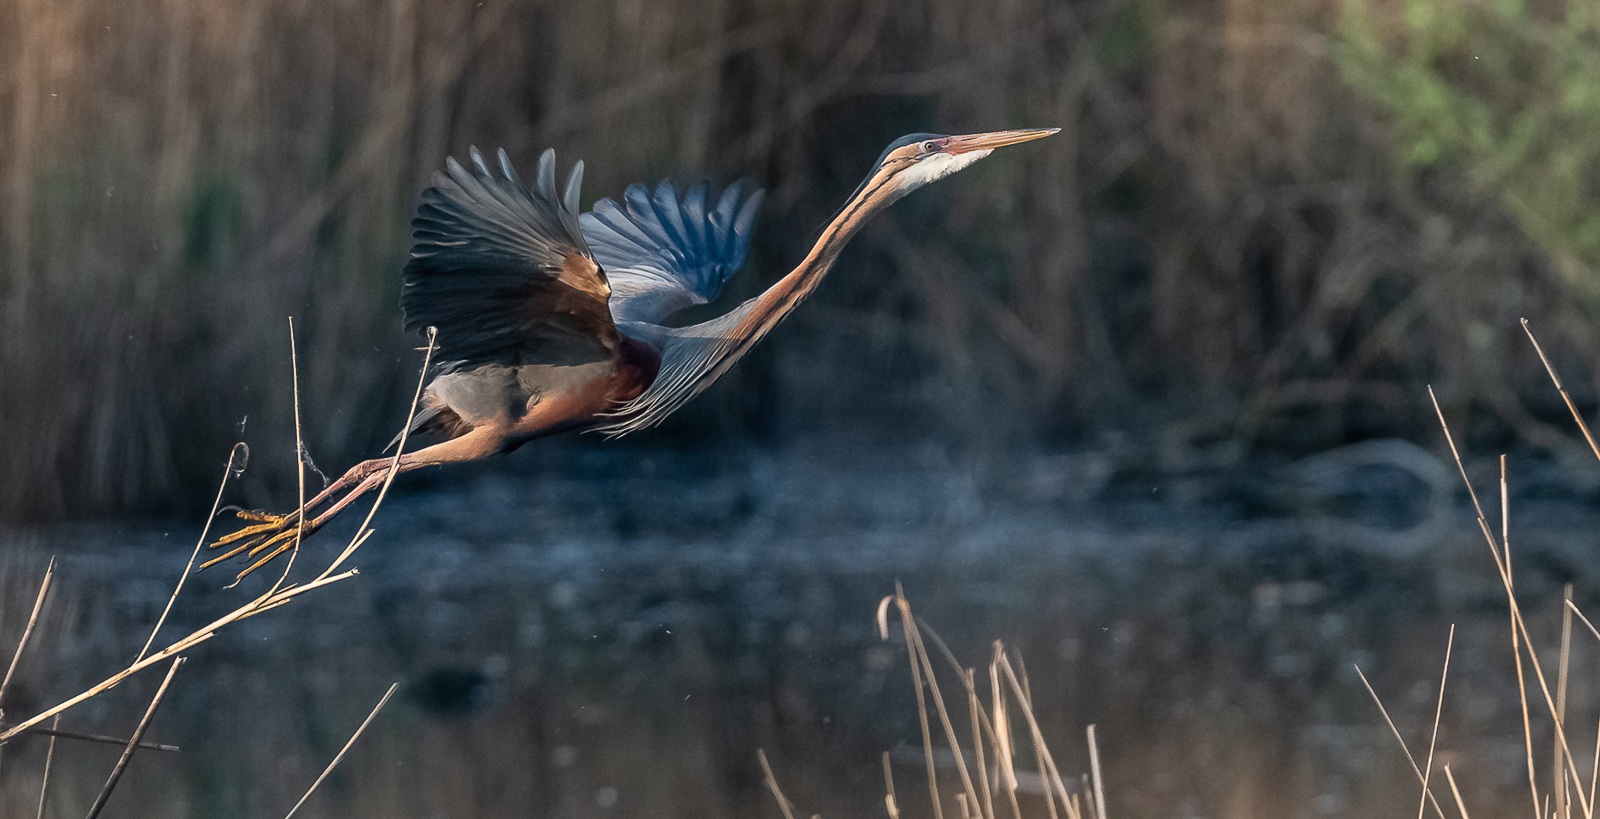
(547, 320)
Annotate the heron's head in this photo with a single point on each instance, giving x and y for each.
(915, 160)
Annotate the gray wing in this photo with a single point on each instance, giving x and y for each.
(663, 251)
(502, 270)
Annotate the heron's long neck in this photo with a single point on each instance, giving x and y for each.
(694, 357)
(762, 313)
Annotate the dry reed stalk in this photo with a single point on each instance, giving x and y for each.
(49, 758)
(919, 657)
(1403, 747)
(133, 741)
(1004, 742)
(995, 728)
(1456, 792)
(1433, 737)
(342, 751)
(772, 784)
(102, 739)
(889, 802)
(27, 631)
(975, 709)
(205, 532)
(1094, 767)
(1571, 407)
(364, 531)
(922, 705)
(1519, 626)
(1048, 769)
(1560, 761)
(202, 634)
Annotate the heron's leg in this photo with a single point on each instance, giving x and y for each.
(269, 525)
(277, 535)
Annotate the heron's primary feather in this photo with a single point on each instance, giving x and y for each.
(664, 251)
(502, 270)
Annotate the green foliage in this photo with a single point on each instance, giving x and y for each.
(1507, 94)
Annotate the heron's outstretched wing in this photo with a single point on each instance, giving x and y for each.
(502, 270)
(664, 251)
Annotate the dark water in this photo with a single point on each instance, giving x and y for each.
(621, 643)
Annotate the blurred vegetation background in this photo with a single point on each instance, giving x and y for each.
(1265, 226)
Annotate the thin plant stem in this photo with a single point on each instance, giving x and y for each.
(342, 751)
(772, 784)
(216, 504)
(1409, 758)
(1571, 407)
(1456, 792)
(394, 465)
(133, 742)
(889, 802)
(1433, 738)
(49, 757)
(27, 631)
(1094, 768)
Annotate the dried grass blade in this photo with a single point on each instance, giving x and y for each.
(345, 750)
(133, 742)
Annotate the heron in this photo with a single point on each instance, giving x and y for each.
(546, 320)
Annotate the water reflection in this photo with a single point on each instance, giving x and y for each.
(621, 645)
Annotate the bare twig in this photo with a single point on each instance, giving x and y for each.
(133, 742)
(346, 749)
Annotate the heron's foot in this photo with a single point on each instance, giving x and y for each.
(263, 541)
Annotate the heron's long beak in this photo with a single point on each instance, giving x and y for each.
(993, 139)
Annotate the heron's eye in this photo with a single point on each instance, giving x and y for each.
(929, 147)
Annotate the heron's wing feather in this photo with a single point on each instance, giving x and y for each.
(664, 250)
(502, 270)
